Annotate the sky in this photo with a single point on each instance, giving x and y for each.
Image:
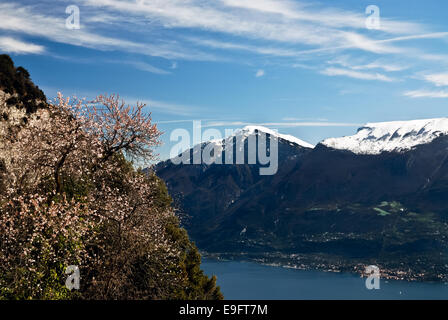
(312, 69)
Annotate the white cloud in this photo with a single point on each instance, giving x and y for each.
(355, 40)
(12, 45)
(312, 124)
(146, 67)
(426, 94)
(170, 107)
(259, 73)
(282, 124)
(379, 65)
(356, 74)
(433, 57)
(432, 35)
(214, 16)
(329, 17)
(358, 64)
(439, 79)
(302, 119)
(26, 20)
(347, 40)
(180, 121)
(283, 29)
(272, 51)
(280, 20)
(226, 124)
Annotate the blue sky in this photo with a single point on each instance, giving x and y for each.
(307, 68)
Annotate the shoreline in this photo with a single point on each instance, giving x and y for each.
(348, 268)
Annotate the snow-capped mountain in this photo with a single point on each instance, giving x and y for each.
(242, 134)
(248, 130)
(394, 136)
(373, 138)
(240, 140)
(325, 202)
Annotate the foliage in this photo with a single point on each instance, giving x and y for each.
(17, 82)
(71, 196)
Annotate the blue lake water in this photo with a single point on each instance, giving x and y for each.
(247, 280)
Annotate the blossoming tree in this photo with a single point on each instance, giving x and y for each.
(71, 196)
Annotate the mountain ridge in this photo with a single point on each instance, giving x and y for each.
(324, 208)
(392, 136)
(372, 138)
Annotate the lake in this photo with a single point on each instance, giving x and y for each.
(247, 280)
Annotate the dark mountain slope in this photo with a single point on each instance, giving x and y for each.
(209, 191)
(326, 207)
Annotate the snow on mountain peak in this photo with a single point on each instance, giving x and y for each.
(375, 138)
(249, 130)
